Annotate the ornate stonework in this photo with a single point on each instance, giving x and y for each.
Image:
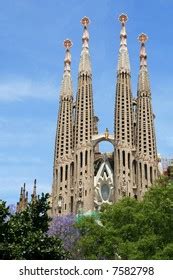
(103, 183)
(23, 198)
(62, 188)
(146, 152)
(84, 178)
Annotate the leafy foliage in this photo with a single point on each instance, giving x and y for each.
(132, 229)
(25, 234)
(4, 217)
(129, 229)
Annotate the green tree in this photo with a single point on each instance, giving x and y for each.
(95, 242)
(132, 229)
(26, 234)
(4, 217)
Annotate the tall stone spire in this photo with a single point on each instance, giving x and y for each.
(23, 199)
(34, 193)
(63, 155)
(84, 128)
(85, 63)
(123, 124)
(123, 59)
(146, 151)
(84, 178)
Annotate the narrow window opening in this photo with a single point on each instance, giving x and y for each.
(128, 160)
(61, 174)
(71, 204)
(151, 175)
(72, 169)
(124, 160)
(140, 171)
(86, 158)
(145, 171)
(81, 159)
(66, 172)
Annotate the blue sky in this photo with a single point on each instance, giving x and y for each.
(31, 67)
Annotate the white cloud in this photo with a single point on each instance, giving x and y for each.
(19, 89)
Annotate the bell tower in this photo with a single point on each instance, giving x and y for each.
(123, 123)
(84, 126)
(62, 191)
(146, 152)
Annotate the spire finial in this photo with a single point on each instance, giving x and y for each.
(67, 61)
(85, 64)
(34, 193)
(143, 55)
(21, 193)
(85, 21)
(27, 196)
(123, 18)
(68, 44)
(123, 60)
(123, 35)
(35, 182)
(35, 187)
(142, 37)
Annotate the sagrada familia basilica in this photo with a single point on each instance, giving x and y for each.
(83, 177)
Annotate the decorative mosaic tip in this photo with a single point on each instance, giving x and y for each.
(68, 44)
(142, 38)
(123, 18)
(85, 21)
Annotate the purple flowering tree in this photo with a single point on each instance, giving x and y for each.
(64, 227)
(12, 209)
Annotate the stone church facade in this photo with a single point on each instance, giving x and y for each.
(84, 178)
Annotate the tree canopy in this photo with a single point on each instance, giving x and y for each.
(131, 229)
(24, 235)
